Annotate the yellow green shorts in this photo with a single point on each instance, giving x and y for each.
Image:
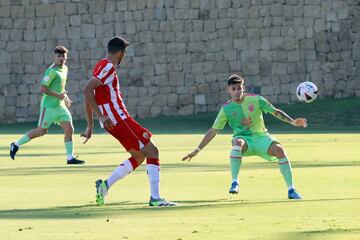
(56, 115)
(259, 146)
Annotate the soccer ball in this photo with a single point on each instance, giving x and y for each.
(307, 92)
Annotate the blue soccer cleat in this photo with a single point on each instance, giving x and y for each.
(234, 189)
(293, 194)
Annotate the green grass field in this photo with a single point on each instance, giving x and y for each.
(42, 198)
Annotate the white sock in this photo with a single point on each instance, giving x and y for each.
(120, 172)
(69, 157)
(153, 172)
(291, 187)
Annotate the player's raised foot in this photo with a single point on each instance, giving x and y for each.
(13, 150)
(101, 192)
(293, 194)
(234, 188)
(75, 161)
(161, 203)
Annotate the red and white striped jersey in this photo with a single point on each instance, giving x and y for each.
(108, 95)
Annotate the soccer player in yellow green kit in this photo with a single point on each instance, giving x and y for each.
(54, 107)
(244, 115)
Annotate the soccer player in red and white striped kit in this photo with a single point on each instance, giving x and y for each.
(103, 97)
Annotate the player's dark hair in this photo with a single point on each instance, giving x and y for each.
(60, 50)
(234, 79)
(117, 44)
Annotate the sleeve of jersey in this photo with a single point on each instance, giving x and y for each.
(220, 120)
(103, 71)
(265, 105)
(48, 77)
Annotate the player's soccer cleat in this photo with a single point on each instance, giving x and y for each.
(161, 203)
(293, 194)
(234, 188)
(101, 192)
(13, 150)
(75, 161)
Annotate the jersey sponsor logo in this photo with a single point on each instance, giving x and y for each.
(251, 107)
(247, 122)
(234, 114)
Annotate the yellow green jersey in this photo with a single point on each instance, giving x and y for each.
(55, 79)
(245, 118)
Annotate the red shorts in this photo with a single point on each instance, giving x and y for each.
(131, 134)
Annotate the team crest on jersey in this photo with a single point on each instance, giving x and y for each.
(251, 107)
(146, 135)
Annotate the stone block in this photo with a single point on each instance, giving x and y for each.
(160, 69)
(312, 11)
(186, 110)
(279, 68)
(4, 57)
(143, 111)
(59, 9)
(45, 10)
(5, 11)
(276, 10)
(160, 100)
(75, 20)
(200, 99)
(71, 8)
(249, 55)
(176, 48)
(155, 111)
(17, 11)
(172, 100)
(74, 33)
(319, 25)
(87, 31)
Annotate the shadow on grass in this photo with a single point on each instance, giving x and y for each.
(19, 155)
(320, 234)
(126, 209)
(179, 168)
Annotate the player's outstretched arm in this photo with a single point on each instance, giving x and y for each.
(298, 122)
(207, 138)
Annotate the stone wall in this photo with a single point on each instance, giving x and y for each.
(181, 51)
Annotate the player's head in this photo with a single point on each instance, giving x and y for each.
(235, 87)
(117, 48)
(60, 55)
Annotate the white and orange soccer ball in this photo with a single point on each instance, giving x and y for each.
(307, 92)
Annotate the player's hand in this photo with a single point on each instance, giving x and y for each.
(67, 100)
(189, 156)
(62, 95)
(300, 122)
(106, 121)
(87, 134)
